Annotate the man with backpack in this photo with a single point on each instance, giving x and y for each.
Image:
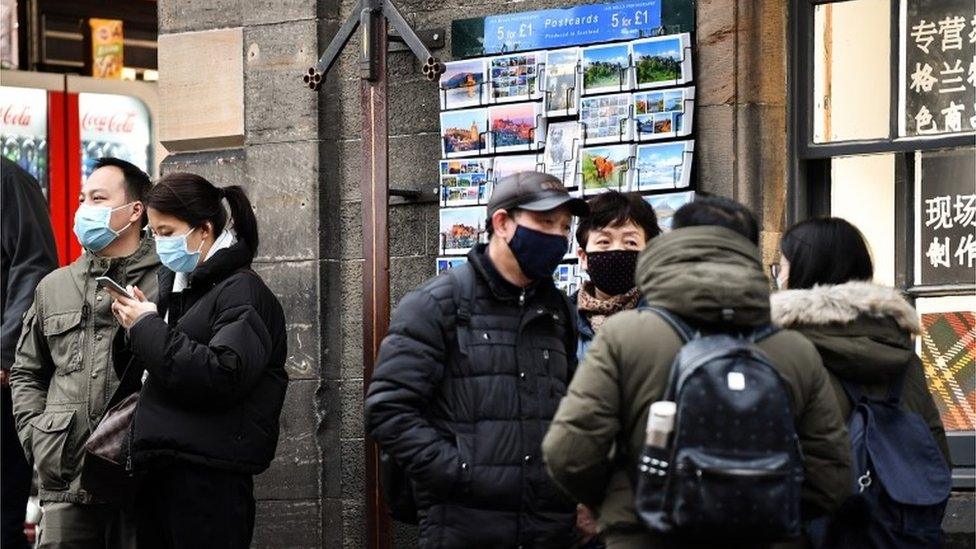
(470, 374)
(757, 447)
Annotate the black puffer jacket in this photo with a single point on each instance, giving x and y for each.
(216, 372)
(468, 427)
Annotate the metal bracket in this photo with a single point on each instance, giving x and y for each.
(363, 15)
(434, 39)
(407, 194)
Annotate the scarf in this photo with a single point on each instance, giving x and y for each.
(597, 310)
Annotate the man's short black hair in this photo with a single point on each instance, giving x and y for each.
(137, 182)
(612, 209)
(718, 211)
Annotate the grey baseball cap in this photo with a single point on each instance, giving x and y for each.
(534, 191)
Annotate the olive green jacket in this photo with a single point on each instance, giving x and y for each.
(864, 335)
(63, 374)
(708, 276)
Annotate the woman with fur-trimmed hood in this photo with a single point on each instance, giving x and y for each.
(864, 332)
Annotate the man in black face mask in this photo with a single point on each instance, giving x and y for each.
(472, 370)
(617, 229)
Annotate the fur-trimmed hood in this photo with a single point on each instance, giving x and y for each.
(842, 304)
(863, 331)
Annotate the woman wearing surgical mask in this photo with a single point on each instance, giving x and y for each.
(618, 228)
(214, 350)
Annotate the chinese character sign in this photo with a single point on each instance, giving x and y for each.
(938, 67)
(945, 217)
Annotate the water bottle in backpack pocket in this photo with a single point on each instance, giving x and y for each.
(732, 470)
(901, 480)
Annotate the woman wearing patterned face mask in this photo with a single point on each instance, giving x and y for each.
(214, 349)
(618, 228)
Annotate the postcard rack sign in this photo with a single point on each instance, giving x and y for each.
(572, 26)
(600, 108)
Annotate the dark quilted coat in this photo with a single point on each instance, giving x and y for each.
(468, 427)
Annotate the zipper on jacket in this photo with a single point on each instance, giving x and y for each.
(522, 298)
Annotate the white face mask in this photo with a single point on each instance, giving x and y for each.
(92, 226)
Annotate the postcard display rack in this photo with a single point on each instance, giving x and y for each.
(611, 116)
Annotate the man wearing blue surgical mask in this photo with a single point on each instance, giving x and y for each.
(471, 372)
(72, 363)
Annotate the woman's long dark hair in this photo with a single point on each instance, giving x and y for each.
(825, 251)
(193, 199)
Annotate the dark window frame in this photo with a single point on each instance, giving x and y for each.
(810, 170)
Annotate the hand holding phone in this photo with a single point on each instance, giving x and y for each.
(113, 286)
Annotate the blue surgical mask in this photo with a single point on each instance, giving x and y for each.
(537, 253)
(92, 226)
(174, 254)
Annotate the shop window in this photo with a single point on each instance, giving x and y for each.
(852, 45)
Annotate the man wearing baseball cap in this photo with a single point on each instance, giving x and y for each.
(472, 371)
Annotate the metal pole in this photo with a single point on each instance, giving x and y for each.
(376, 251)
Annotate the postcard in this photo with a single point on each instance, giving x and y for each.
(566, 277)
(663, 166)
(514, 77)
(505, 166)
(662, 61)
(517, 127)
(606, 119)
(561, 155)
(606, 69)
(605, 168)
(448, 263)
(562, 77)
(661, 114)
(665, 205)
(463, 84)
(464, 133)
(464, 182)
(461, 229)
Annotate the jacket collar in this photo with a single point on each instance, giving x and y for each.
(842, 304)
(500, 288)
(128, 269)
(220, 266)
(208, 274)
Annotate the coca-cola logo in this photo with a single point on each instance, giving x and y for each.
(15, 115)
(118, 122)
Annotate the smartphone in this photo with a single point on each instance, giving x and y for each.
(109, 284)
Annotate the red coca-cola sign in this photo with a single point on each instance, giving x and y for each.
(15, 115)
(116, 122)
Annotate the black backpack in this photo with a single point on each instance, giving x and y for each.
(901, 480)
(394, 480)
(733, 469)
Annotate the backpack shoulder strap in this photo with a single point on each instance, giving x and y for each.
(684, 331)
(763, 332)
(572, 333)
(852, 392)
(464, 290)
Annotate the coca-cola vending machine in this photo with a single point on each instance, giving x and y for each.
(23, 130)
(56, 126)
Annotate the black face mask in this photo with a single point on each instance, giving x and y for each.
(537, 253)
(613, 272)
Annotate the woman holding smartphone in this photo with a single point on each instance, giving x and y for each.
(214, 349)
